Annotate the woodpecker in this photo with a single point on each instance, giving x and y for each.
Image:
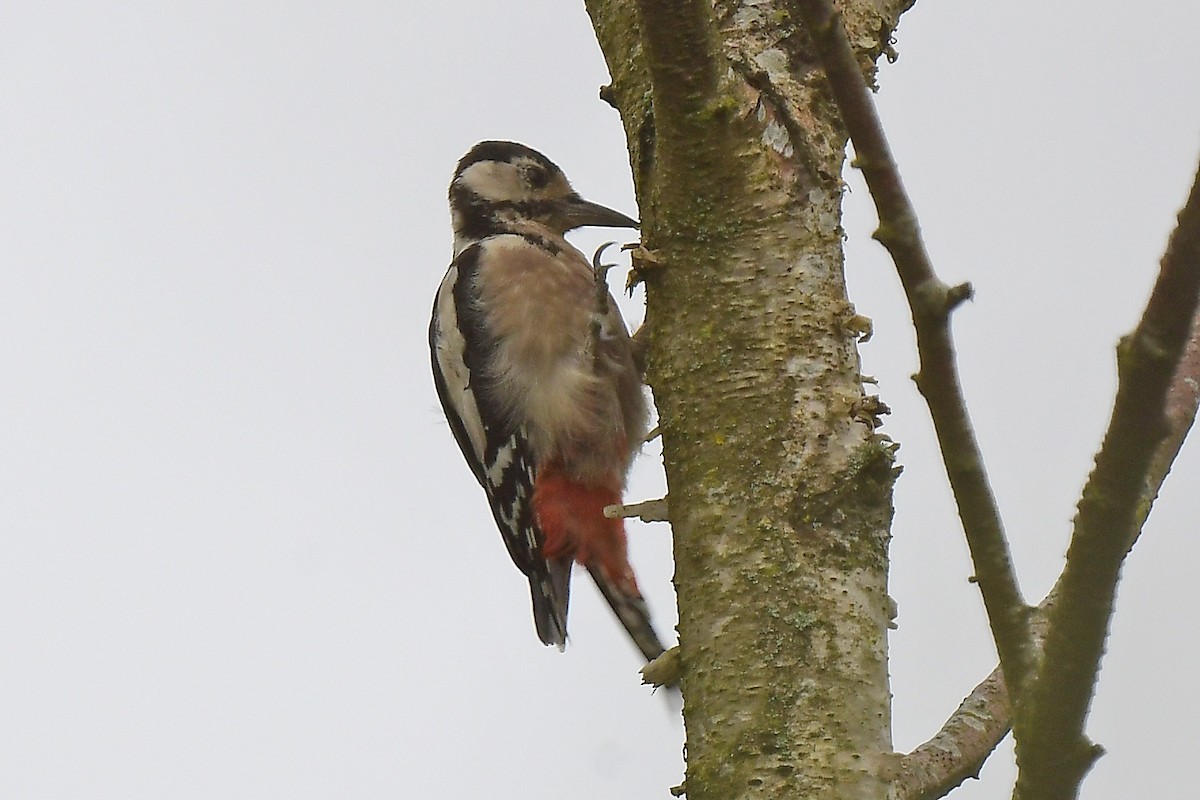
(538, 380)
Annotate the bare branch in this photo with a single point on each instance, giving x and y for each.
(968, 737)
(1109, 513)
(959, 749)
(928, 775)
(931, 301)
(1051, 747)
(1183, 399)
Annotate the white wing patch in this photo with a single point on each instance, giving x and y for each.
(449, 353)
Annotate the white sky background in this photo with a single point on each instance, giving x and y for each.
(240, 555)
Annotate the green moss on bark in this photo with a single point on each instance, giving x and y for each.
(780, 492)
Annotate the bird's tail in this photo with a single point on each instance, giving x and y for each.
(551, 591)
(633, 614)
(570, 514)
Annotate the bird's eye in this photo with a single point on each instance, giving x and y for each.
(537, 177)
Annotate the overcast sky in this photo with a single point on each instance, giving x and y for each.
(241, 557)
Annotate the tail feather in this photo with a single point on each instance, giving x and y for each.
(551, 592)
(570, 515)
(631, 610)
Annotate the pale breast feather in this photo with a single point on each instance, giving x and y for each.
(539, 295)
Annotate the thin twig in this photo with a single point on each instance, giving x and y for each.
(647, 510)
(931, 301)
(666, 670)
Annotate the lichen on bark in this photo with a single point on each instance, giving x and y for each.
(780, 488)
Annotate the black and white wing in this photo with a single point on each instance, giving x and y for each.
(494, 447)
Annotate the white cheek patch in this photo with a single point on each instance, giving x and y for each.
(493, 180)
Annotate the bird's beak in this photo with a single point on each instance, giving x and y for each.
(577, 213)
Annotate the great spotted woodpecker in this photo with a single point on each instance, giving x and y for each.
(538, 382)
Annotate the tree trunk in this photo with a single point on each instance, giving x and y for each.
(780, 489)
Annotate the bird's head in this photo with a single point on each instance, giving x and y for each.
(507, 186)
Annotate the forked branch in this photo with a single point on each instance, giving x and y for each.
(985, 717)
(1136, 455)
(975, 729)
(1052, 749)
(931, 301)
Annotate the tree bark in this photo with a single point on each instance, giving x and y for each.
(780, 489)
